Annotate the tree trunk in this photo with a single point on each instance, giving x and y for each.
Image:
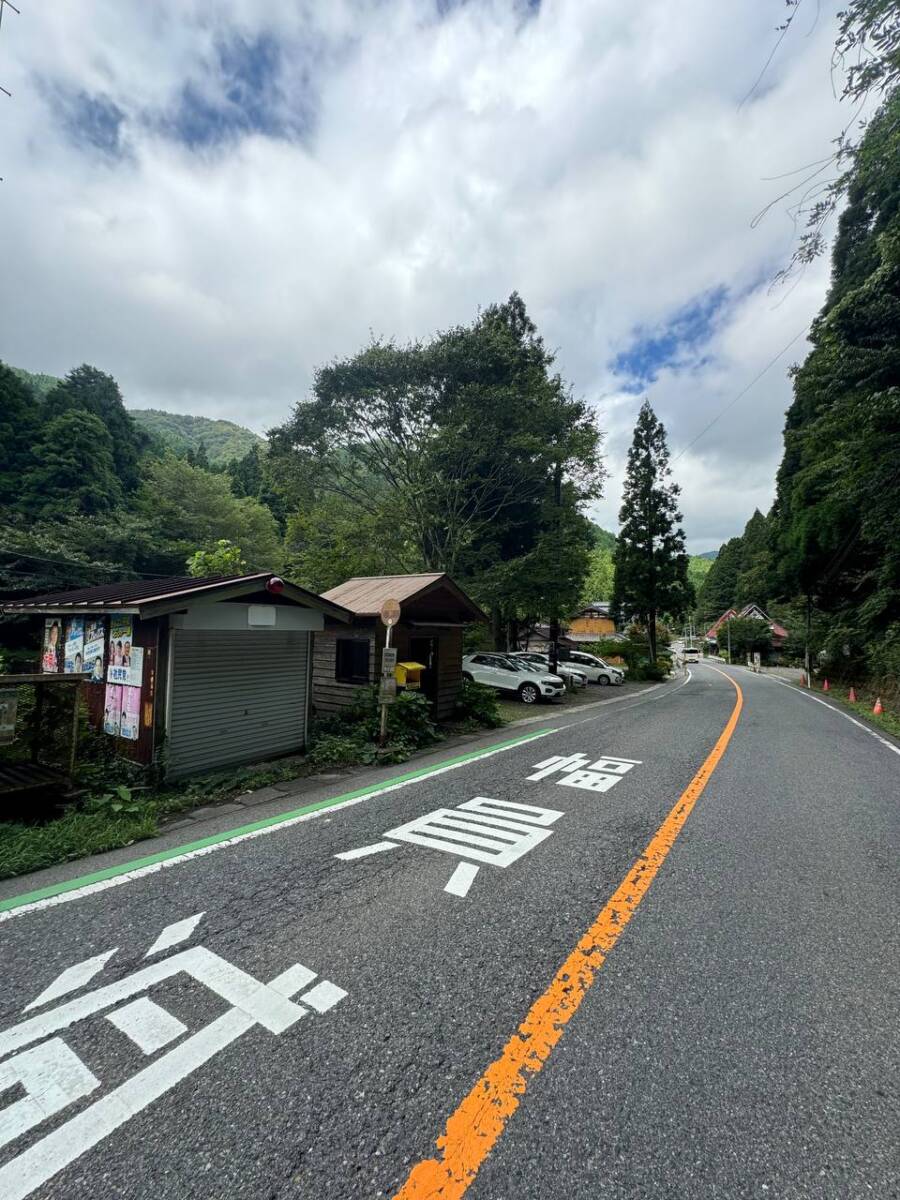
(496, 627)
(651, 635)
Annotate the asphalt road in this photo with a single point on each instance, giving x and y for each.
(720, 1022)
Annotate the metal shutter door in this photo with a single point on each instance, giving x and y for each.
(236, 697)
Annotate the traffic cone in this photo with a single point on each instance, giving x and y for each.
(825, 686)
(852, 696)
(878, 709)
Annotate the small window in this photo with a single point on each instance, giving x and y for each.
(351, 663)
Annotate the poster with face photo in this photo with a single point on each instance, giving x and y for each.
(94, 648)
(130, 713)
(125, 666)
(52, 644)
(112, 709)
(74, 654)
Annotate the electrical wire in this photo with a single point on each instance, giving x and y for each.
(771, 363)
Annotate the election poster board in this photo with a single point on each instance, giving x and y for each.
(112, 709)
(129, 721)
(52, 638)
(126, 661)
(73, 658)
(95, 648)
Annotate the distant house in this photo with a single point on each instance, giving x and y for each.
(434, 611)
(751, 612)
(592, 624)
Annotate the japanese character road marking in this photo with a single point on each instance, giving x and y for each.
(497, 832)
(578, 771)
(53, 1076)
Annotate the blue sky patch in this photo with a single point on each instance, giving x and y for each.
(241, 95)
(681, 337)
(90, 122)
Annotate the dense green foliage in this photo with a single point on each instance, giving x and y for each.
(833, 535)
(222, 441)
(88, 497)
(651, 576)
(464, 454)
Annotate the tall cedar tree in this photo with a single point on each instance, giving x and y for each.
(651, 563)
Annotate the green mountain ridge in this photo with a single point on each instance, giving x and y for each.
(224, 440)
(181, 432)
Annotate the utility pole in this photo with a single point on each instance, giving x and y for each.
(808, 632)
(554, 618)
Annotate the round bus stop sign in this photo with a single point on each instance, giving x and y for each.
(390, 612)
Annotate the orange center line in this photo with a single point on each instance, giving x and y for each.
(475, 1127)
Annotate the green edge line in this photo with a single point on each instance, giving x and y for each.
(70, 885)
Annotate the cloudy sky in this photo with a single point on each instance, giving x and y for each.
(208, 198)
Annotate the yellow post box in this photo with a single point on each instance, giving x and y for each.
(409, 675)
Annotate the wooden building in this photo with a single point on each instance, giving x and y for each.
(592, 624)
(434, 611)
(211, 672)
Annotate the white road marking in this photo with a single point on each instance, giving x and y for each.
(579, 772)
(323, 996)
(53, 1077)
(840, 713)
(146, 1024)
(362, 851)
(180, 931)
(90, 889)
(72, 979)
(462, 879)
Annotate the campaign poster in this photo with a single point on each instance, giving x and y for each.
(73, 658)
(52, 639)
(95, 648)
(126, 662)
(112, 709)
(131, 713)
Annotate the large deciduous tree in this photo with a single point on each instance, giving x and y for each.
(467, 452)
(651, 577)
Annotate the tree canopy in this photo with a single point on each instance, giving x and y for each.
(651, 578)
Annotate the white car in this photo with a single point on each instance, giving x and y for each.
(692, 654)
(566, 670)
(529, 682)
(595, 668)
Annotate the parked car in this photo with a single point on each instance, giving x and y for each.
(566, 670)
(527, 680)
(595, 668)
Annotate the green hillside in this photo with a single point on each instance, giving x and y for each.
(223, 439)
(41, 385)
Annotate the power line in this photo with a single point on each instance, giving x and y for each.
(69, 562)
(771, 363)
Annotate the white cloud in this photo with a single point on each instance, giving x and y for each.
(594, 157)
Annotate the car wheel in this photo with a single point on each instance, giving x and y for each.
(468, 677)
(529, 694)
(603, 681)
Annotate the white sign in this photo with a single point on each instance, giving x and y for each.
(578, 771)
(388, 660)
(49, 1076)
(130, 673)
(497, 832)
(8, 702)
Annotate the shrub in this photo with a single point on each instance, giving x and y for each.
(478, 705)
(340, 750)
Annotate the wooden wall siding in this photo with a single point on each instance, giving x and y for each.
(328, 694)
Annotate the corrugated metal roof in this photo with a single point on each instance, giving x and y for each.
(129, 592)
(365, 594)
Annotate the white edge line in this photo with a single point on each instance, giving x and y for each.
(840, 712)
(101, 885)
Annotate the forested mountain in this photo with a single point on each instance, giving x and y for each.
(832, 538)
(223, 441)
(219, 442)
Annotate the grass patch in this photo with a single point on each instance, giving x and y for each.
(889, 720)
(26, 848)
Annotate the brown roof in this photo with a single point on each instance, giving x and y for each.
(128, 592)
(365, 594)
(140, 593)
